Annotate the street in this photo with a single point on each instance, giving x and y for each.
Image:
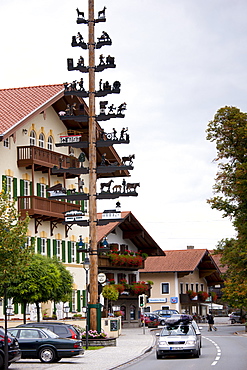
(221, 349)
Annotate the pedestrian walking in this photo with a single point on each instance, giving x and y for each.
(210, 320)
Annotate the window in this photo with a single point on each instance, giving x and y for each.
(181, 288)
(26, 193)
(43, 246)
(202, 287)
(187, 287)
(32, 138)
(59, 249)
(192, 286)
(197, 287)
(9, 186)
(50, 143)
(43, 190)
(165, 288)
(132, 312)
(6, 143)
(41, 140)
(73, 251)
(73, 301)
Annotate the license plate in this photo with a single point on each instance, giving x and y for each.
(176, 348)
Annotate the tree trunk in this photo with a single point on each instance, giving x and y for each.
(38, 313)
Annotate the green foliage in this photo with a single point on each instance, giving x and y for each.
(43, 279)
(229, 132)
(14, 253)
(110, 292)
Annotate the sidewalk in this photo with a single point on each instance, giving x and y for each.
(131, 344)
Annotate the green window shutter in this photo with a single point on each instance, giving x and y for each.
(31, 188)
(54, 247)
(22, 309)
(69, 252)
(70, 304)
(39, 245)
(84, 298)
(21, 188)
(4, 183)
(78, 300)
(38, 189)
(15, 188)
(82, 205)
(48, 247)
(16, 308)
(63, 252)
(77, 257)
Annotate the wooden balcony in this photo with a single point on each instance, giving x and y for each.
(44, 209)
(43, 159)
(105, 263)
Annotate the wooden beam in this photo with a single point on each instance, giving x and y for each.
(133, 234)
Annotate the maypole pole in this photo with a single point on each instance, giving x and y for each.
(92, 171)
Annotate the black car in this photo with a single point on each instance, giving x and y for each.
(14, 353)
(45, 345)
(61, 329)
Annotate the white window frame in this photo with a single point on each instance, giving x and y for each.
(43, 190)
(161, 287)
(59, 249)
(41, 140)
(32, 138)
(50, 143)
(43, 246)
(9, 186)
(73, 252)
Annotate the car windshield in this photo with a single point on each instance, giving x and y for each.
(177, 330)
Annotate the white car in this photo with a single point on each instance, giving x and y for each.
(177, 338)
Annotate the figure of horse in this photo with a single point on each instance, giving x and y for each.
(117, 188)
(106, 185)
(128, 159)
(132, 187)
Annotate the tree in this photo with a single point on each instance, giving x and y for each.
(44, 279)
(228, 130)
(14, 250)
(110, 293)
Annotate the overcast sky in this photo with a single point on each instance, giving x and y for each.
(178, 62)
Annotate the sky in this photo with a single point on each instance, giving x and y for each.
(178, 62)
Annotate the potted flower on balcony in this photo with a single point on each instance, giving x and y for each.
(191, 294)
(214, 296)
(203, 295)
(139, 287)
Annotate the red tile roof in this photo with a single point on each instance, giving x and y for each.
(175, 260)
(18, 103)
(103, 231)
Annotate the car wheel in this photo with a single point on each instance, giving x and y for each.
(162, 322)
(47, 354)
(233, 321)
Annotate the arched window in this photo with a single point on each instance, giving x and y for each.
(123, 309)
(41, 140)
(50, 143)
(32, 138)
(132, 312)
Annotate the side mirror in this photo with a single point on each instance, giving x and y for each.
(157, 334)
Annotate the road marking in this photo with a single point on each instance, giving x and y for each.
(218, 352)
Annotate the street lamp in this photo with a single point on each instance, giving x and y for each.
(86, 266)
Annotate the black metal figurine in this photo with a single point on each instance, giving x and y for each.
(101, 13)
(106, 185)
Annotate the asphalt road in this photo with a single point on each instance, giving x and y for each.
(222, 350)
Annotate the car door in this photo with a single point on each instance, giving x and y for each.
(29, 341)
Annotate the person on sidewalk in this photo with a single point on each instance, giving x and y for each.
(210, 320)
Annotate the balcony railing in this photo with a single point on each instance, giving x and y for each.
(105, 262)
(28, 155)
(44, 208)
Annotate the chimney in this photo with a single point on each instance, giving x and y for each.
(190, 246)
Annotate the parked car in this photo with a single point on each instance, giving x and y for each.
(59, 328)
(177, 338)
(236, 317)
(43, 344)
(14, 352)
(164, 314)
(151, 320)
